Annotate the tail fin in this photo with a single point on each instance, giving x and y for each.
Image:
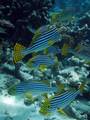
(17, 52)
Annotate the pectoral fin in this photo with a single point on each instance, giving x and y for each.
(50, 42)
(42, 67)
(61, 111)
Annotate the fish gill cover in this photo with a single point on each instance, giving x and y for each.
(44, 59)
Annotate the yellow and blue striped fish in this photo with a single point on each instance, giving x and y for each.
(44, 37)
(42, 62)
(59, 101)
(32, 86)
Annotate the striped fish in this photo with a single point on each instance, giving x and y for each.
(60, 101)
(63, 100)
(44, 37)
(42, 62)
(34, 87)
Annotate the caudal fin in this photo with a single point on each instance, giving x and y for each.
(17, 52)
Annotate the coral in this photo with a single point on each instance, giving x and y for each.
(16, 15)
(75, 32)
(81, 109)
(84, 20)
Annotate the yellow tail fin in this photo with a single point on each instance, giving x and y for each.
(17, 52)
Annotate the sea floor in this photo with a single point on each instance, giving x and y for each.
(13, 107)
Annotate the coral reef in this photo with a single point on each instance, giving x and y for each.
(71, 71)
(76, 31)
(16, 16)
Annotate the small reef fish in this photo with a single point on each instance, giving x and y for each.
(44, 37)
(42, 62)
(33, 86)
(59, 102)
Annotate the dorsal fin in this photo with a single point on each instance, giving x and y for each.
(40, 32)
(36, 36)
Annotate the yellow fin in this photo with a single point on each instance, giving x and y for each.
(36, 35)
(50, 42)
(17, 52)
(42, 67)
(61, 111)
(64, 50)
(44, 107)
(46, 51)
